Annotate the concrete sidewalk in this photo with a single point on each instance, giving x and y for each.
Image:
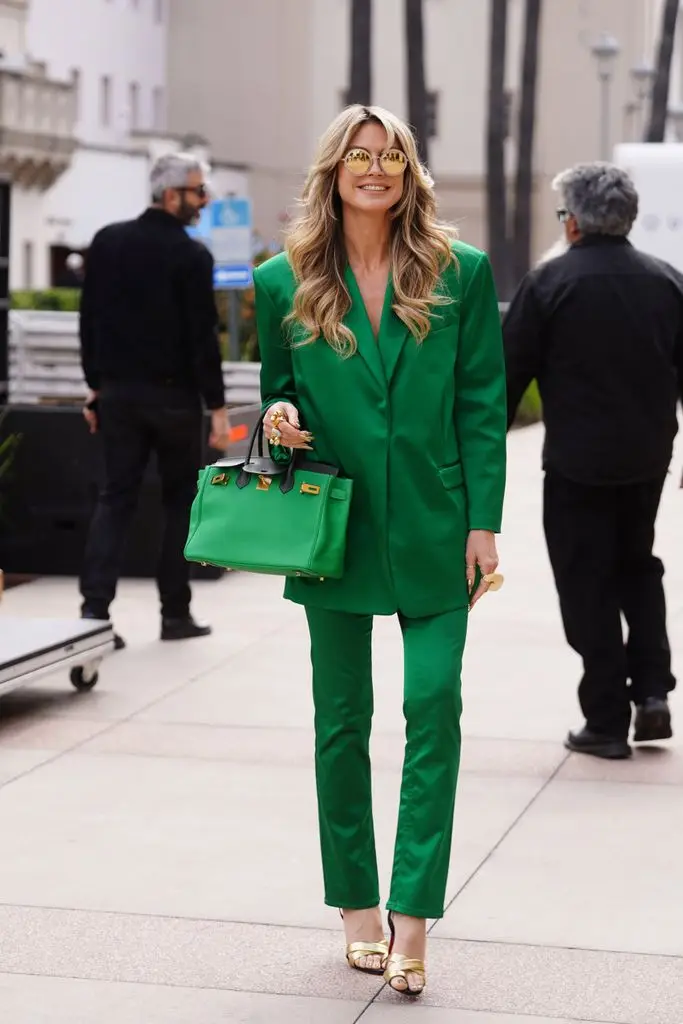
(158, 851)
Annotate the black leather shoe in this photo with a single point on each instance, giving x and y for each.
(653, 721)
(119, 642)
(182, 629)
(587, 742)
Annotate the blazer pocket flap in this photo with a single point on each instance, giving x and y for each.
(452, 476)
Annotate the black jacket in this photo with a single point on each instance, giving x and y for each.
(148, 312)
(601, 329)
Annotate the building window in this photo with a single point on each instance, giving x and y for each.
(28, 265)
(432, 115)
(76, 79)
(105, 100)
(159, 11)
(134, 105)
(158, 112)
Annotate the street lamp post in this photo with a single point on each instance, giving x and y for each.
(605, 50)
(642, 76)
(675, 115)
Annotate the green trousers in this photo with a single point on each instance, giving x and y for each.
(341, 653)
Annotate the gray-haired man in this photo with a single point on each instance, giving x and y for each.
(151, 357)
(601, 329)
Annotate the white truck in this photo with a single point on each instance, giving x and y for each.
(657, 171)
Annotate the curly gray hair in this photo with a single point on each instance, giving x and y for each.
(172, 171)
(601, 197)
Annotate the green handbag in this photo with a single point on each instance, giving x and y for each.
(257, 515)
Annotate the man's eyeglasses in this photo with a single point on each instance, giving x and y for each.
(563, 215)
(201, 191)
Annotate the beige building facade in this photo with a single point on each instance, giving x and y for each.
(261, 80)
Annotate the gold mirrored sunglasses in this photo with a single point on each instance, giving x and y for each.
(359, 161)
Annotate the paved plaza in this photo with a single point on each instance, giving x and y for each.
(158, 847)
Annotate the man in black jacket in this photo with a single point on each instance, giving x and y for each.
(151, 357)
(601, 330)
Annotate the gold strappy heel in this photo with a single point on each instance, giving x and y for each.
(400, 966)
(357, 951)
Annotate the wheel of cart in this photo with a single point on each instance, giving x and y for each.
(85, 677)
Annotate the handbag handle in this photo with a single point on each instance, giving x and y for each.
(257, 437)
(256, 442)
(296, 461)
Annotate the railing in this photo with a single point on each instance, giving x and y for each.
(45, 368)
(32, 106)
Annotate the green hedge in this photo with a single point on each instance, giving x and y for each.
(65, 300)
(529, 410)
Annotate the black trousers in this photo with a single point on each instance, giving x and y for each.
(600, 544)
(134, 421)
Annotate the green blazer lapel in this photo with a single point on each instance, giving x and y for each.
(393, 335)
(357, 321)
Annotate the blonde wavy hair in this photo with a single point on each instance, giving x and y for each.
(420, 244)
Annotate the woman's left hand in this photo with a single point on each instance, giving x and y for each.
(481, 551)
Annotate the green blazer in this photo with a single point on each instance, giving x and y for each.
(419, 428)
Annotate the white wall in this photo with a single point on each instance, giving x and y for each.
(457, 67)
(12, 21)
(240, 75)
(98, 188)
(118, 38)
(27, 225)
(329, 66)
(102, 187)
(108, 178)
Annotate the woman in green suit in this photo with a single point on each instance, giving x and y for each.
(381, 353)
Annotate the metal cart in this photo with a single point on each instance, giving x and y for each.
(31, 648)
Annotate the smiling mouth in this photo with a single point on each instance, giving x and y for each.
(374, 188)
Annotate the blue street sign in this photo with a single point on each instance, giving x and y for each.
(225, 227)
(232, 275)
(231, 230)
(233, 212)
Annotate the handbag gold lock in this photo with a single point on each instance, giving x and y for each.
(264, 483)
(309, 489)
(221, 478)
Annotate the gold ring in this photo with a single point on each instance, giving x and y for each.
(277, 418)
(494, 581)
(275, 437)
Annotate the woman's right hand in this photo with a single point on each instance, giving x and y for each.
(291, 435)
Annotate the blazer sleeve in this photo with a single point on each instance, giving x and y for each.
(480, 401)
(277, 375)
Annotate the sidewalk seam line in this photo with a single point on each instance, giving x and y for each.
(188, 988)
(513, 825)
(110, 726)
(316, 928)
